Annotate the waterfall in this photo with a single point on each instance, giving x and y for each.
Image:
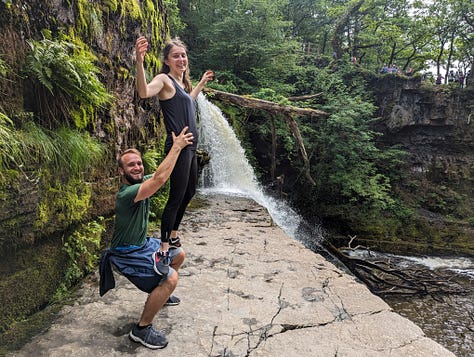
(229, 171)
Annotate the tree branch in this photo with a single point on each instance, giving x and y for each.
(273, 108)
(266, 105)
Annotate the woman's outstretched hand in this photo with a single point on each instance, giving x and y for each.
(206, 77)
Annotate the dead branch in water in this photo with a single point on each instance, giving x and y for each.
(384, 277)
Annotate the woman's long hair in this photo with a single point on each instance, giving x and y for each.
(166, 69)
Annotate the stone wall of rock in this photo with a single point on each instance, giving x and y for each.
(434, 124)
(32, 253)
(109, 29)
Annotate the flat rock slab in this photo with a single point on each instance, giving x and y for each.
(246, 289)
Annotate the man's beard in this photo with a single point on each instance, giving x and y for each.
(132, 180)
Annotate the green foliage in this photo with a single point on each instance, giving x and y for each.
(345, 162)
(225, 81)
(82, 150)
(62, 203)
(175, 24)
(271, 95)
(66, 85)
(82, 248)
(246, 38)
(260, 41)
(10, 146)
(69, 155)
(66, 150)
(151, 159)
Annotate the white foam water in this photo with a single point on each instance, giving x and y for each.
(462, 266)
(229, 171)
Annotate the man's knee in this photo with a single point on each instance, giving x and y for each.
(171, 281)
(178, 259)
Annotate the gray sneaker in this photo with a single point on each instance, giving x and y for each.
(149, 337)
(172, 301)
(161, 262)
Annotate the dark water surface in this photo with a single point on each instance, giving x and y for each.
(448, 320)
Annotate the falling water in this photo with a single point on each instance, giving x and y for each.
(229, 171)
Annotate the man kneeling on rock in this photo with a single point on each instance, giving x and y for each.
(132, 251)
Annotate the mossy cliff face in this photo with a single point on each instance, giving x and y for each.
(42, 208)
(433, 125)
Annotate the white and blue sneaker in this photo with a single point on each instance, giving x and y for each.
(161, 262)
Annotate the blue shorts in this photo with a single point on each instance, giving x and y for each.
(136, 264)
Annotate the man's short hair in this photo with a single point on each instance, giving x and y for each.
(128, 151)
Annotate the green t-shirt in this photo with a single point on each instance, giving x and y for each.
(131, 219)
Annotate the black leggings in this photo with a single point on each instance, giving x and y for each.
(183, 182)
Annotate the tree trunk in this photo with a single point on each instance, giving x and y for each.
(341, 26)
(274, 145)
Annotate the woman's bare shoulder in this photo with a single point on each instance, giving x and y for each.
(168, 89)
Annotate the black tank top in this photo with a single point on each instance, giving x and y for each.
(179, 111)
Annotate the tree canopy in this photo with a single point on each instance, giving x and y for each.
(255, 44)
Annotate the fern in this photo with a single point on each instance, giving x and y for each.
(67, 72)
(9, 143)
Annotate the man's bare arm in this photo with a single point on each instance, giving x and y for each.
(163, 172)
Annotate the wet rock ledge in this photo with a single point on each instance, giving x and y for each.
(247, 289)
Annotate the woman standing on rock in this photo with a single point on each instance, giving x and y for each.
(176, 96)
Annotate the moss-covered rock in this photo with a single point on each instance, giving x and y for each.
(46, 244)
(30, 277)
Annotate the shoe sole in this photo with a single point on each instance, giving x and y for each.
(176, 301)
(138, 339)
(171, 303)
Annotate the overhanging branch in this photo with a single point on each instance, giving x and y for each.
(265, 105)
(287, 111)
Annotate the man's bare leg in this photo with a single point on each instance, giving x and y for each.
(157, 298)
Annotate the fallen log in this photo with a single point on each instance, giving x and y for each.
(287, 111)
(261, 104)
(304, 97)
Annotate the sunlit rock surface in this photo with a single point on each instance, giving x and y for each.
(247, 289)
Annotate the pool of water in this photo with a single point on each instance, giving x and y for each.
(448, 320)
